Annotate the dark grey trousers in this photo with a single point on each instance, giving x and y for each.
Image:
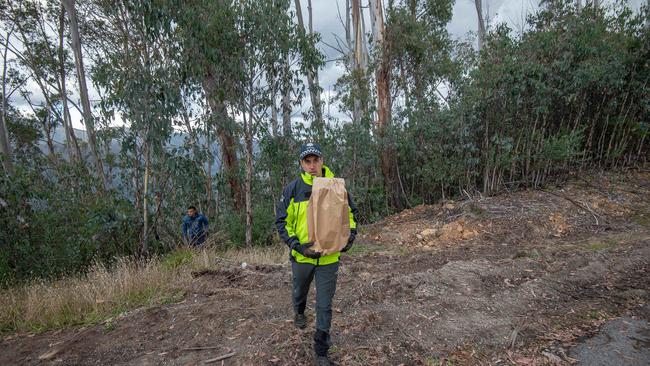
(303, 274)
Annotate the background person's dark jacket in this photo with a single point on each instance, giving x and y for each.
(195, 228)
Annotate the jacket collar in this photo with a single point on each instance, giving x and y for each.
(309, 179)
(190, 218)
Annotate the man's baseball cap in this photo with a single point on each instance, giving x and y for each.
(310, 148)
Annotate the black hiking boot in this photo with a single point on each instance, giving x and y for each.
(300, 321)
(323, 361)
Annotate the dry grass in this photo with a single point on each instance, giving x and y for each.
(103, 293)
(276, 254)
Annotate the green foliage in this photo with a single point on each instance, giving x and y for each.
(50, 230)
(176, 259)
(263, 230)
(569, 93)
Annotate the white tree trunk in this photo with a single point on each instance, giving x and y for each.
(383, 89)
(83, 88)
(364, 41)
(145, 200)
(248, 136)
(5, 144)
(384, 113)
(275, 126)
(376, 20)
(286, 100)
(309, 11)
(481, 23)
(312, 79)
(72, 144)
(359, 58)
(208, 177)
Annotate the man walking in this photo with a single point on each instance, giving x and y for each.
(306, 264)
(195, 227)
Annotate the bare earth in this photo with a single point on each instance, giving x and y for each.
(525, 278)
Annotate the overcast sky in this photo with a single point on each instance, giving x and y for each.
(326, 21)
(463, 25)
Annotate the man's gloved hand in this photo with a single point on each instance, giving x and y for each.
(347, 247)
(304, 250)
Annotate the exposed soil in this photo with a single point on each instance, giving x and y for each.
(518, 278)
(624, 339)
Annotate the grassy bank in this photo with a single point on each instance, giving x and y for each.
(102, 293)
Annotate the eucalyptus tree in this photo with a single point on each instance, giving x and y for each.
(71, 12)
(263, 61)
(358, 59)
(382, 52)
(211, 60)
(308, 35)
(420, 65)
(71, 139)
(5, 144)
(44, 58)
(140, 77)
(481, 23)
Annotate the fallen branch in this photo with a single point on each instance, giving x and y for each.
(199, 348)
(222, 357)
(580, 205)
(372, 283)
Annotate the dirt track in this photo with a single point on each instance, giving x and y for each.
(514, 279)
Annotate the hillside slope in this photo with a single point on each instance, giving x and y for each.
(518, 278)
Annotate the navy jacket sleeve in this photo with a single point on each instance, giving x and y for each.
(184, 228)
(282, 213)
(355, 215)
(204, 223)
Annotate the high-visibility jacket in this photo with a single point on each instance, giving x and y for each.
(291, 217)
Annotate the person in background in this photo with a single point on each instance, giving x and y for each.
(195, 227)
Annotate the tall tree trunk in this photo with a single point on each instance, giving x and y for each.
(248, 136)
(275, 126)
(312, 80)
(71, 140)
(83, 89)
(309, 12)
(5, 144)
(46, 122)
(382, 74)
(351, 56)
(348, 28)
(226, 137)
(481, 23)
(364, 45)
(286, 101)
(359, 59)
(486, 153)
(145, 200)
(210, 208)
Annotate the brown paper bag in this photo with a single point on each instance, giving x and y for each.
(328, 221)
